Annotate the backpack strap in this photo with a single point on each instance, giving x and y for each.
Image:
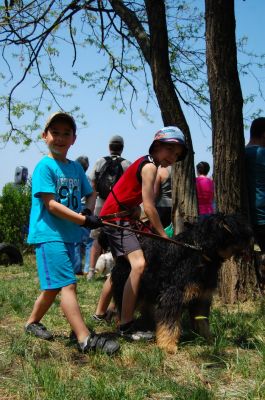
(115, 157)
(107, 159)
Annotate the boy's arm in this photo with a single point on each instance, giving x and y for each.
(148, 174)
(60, 210)
(157, 184)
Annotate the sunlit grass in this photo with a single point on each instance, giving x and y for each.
(232, 367)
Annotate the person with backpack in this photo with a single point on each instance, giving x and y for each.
(106, 172)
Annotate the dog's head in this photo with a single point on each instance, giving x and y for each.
(225, 235)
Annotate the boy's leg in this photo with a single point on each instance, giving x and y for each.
(95, 252)
(131, 288)
(86, 340)
(55, 263)
(72, 312)
(42, 305)
(105, 298)
(126, 245)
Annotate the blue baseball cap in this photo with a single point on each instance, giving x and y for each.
(171, 134)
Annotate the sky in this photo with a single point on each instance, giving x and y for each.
(103, 122)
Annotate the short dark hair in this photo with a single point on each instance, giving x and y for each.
(203, 168)
(116, 147)
(83, 160)
(257, 127)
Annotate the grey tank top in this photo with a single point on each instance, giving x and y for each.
(165, 199)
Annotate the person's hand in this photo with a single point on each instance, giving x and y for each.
(92, 222)
(86, 211)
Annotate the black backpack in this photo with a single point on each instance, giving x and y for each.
(109, 174)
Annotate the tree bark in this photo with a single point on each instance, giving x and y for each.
(154, 46)
(237, 279)
(184, 191)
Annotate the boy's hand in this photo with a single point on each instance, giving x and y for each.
(86, 211)
(92, 222)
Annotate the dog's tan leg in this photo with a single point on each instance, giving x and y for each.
(168, 337)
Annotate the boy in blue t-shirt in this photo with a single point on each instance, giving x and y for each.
(58, 184)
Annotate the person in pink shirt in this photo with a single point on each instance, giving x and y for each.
(205, 189)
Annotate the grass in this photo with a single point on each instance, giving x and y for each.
(233, 367)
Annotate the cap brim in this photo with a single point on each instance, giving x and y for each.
(64, 116)
(184, 152)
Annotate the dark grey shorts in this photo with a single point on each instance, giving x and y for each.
(122, 242)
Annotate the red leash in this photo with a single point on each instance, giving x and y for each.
(151, 235)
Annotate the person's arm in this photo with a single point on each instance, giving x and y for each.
(157, 185)
(93, 174)
(148, 174)
(125, 164)
(91, 201)
(60, 210)
(93, 184)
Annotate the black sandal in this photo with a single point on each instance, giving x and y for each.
(97, 342)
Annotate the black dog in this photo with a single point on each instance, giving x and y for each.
(178, 276)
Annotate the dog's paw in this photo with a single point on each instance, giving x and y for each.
(169, 348)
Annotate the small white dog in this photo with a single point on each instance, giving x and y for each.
(104, 264)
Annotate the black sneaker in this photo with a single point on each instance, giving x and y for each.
(99, 342)
(130, 332)
(99, 317)
(107, 317)
(39, 330)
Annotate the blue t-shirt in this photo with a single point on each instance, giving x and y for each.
(255, 169)
(68, 182)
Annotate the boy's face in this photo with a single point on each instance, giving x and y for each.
(59, 137)
(166, 154)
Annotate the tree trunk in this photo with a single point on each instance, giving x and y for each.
(155, 50)
(183, 192)
(237, 279)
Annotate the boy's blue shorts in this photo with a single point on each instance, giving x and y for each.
(55, 263)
